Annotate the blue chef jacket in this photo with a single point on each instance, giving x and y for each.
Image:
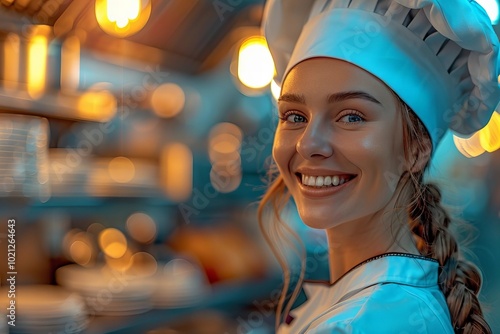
(393, 293)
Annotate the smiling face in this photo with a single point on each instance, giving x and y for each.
(339, 143)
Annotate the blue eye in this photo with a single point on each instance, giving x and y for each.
(293, 117)
(351, 118)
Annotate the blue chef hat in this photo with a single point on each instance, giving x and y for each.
(439, 56)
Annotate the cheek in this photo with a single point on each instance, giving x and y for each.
(283, 150)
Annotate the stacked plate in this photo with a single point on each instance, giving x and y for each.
(44, 309)
(179, 284)
(24, 168)
(106, 292)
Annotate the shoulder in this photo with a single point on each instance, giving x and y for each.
(388, 308)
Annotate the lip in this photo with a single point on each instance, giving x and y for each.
(321, 192)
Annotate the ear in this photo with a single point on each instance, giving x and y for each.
(420, 156)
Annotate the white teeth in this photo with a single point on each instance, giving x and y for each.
(319, 181)
(328, 181)
(311, 181)
(335, 180)
(322, 181)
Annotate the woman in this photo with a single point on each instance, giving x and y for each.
(368, 88)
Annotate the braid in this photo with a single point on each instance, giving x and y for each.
(459, 279)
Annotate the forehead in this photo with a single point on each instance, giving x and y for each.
(328, 75)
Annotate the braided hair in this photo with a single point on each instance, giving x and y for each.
(459, 279)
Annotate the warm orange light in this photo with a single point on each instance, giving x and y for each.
(113, 243)
(168, 100)
(123, 11)
(79, 247)
(255, 63)
(97, 105)
(37, 65)
(11, 58)
(177, 171)
(143, 264)
(121, 169)
(81, 252)
(224, 152)
(141, 227)
(225, 181)
(70, 64)
(122, 17)
(121, 263)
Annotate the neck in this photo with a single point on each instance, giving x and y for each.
(353, 242)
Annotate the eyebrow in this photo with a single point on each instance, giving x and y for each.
(332, 98)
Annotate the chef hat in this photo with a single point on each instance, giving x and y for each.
(439, 56)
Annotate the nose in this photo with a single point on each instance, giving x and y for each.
(315, 142)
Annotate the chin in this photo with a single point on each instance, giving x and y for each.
(318, 221)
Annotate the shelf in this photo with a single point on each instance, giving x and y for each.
(50, 105)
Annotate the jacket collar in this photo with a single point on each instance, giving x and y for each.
(400, 268)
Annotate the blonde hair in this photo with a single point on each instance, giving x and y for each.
(459, 279)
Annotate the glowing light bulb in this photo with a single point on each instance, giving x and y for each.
(122, 17)
(123, 11)
(255, 63)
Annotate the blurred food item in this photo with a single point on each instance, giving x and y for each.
(45, 309)
(224, 251)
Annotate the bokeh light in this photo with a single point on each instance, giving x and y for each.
(122, 18)
(97, 105)
(113, 243)
(177, 171)
(70, 64)
(81, 252)
(37, 65)
(168, 100)
(141, 227)
(79, 247)
(255, 63)
(224, 152)
(121, 169)
(143, 264)
(122, 263)
(11, 57)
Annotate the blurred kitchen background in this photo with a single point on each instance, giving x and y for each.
(135, 138)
